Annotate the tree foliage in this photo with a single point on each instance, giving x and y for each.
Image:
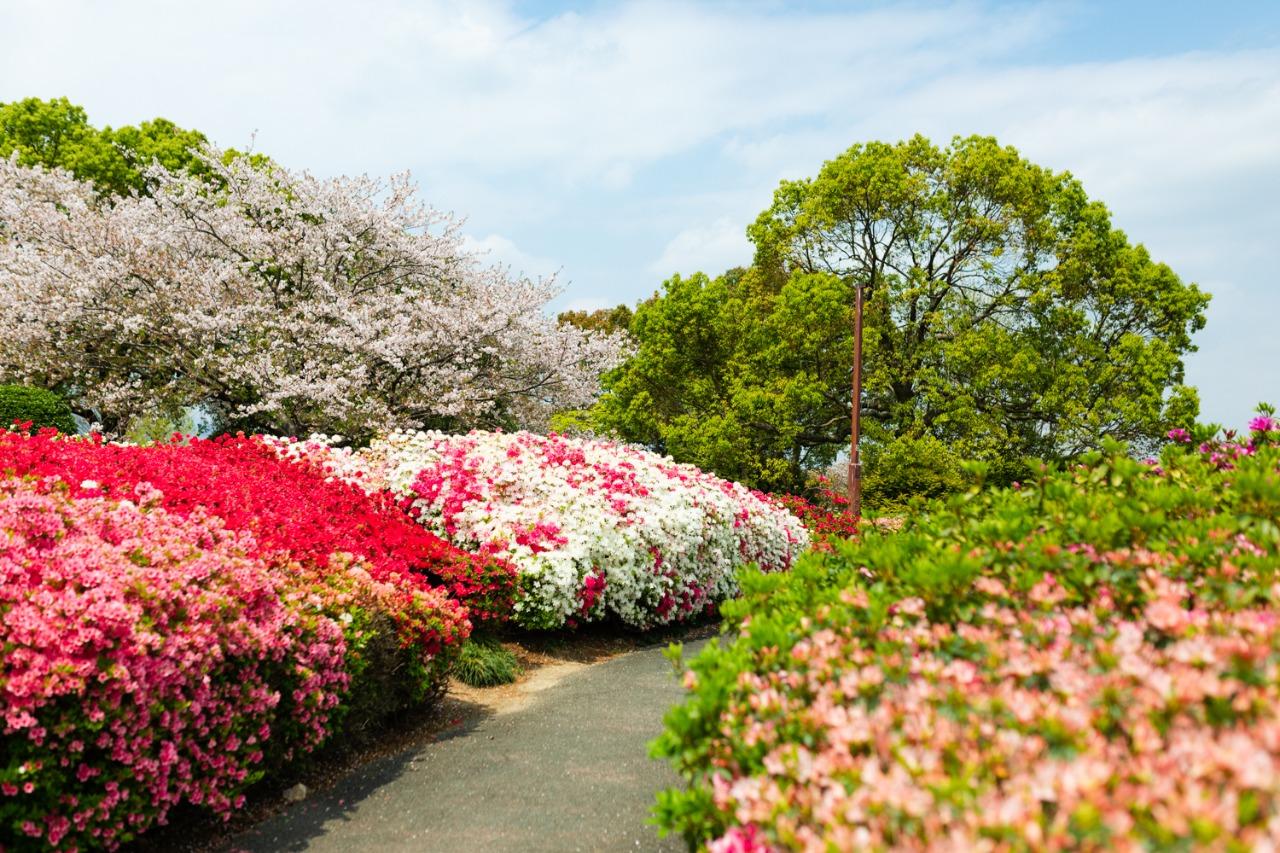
(615, 319)
(277, 301)
(1006, 318)
(57, 133)
(728, 374)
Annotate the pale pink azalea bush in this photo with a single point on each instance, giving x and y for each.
(149, 659)
(1053, 729)
(1090, 661)
(596, 529)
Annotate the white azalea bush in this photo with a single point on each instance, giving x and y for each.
(595, 528)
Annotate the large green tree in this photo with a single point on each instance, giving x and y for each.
(57, 133)
(1006, 318)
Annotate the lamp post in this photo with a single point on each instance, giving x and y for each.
(855, 465)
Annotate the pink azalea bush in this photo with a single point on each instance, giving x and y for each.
(149, 659)
(190, 595)
(596, 529)
(1091, 661)
(291, 506)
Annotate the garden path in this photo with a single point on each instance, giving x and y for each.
(559, 764)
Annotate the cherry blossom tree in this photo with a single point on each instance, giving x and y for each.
(278, 301)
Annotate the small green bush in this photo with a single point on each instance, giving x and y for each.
(910, 467)
(42, 408)
(483, 662)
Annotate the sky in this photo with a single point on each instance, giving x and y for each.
(614, 144)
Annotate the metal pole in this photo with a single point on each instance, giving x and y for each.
(855, 465)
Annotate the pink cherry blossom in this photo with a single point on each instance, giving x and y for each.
(307, 304)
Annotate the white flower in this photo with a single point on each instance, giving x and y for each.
(319, 301)
(665, 539)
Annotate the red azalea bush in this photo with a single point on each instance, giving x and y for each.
(825, 518)
(484, 582)
(149, 658)
(1087, 661)
(290, 504)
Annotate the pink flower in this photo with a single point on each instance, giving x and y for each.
(739, 839)
(145, 631)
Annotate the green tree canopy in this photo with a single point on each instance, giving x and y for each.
(1006, 318)
(616, 319)
(57, 133)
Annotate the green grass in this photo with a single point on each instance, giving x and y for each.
(483, 662)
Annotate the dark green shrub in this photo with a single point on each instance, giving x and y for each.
(42, 408)
(388, 678)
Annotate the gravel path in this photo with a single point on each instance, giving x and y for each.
(558, 763)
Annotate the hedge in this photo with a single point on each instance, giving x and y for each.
(36, 406)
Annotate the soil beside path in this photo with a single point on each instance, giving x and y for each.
(556, 763)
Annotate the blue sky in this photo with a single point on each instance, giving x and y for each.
(616, 143)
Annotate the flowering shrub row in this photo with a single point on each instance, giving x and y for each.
(485, 583)
(1090, 661)
(289, 505)
(178, 617)
(595, 528)
(148, 659)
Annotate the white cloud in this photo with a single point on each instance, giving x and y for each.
(710, 248)
(588, 96)
(1182, 150)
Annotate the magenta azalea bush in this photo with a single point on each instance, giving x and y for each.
(180, 619)
(1090, 661)
(148, 659)
(596, 529)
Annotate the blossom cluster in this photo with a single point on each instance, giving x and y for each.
(1223, 449)
(289, 505)
(177, 615)
(1090, 661)
(826, 516)
(149, 658)
(279, 300)
(484, 583)
(595, 528)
